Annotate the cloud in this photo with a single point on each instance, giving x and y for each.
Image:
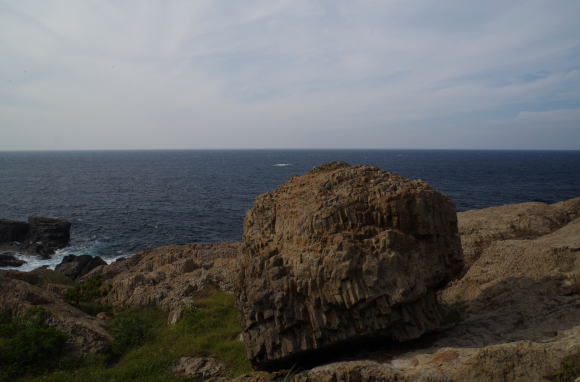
(210, 74)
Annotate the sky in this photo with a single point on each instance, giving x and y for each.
(392, 74)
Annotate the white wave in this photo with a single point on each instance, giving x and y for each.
(33, 262)
(281, 165)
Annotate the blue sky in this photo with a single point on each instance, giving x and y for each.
(289, 74)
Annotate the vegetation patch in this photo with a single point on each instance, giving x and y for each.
(145, 348)
(28, 345)
(85, 295)
(569, 370)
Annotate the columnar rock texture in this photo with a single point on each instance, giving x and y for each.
(341, 255)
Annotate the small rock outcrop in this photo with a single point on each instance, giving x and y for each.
(170, 277)
(343, 255)
(202, 368)
(73, 266)
(9, 260)
(39, 236)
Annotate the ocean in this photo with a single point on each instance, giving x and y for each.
(121, 202)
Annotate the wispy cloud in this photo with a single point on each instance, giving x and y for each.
(204, 74)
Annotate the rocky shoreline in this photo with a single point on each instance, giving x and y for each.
(365, 274)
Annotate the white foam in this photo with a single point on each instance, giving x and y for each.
(33, 262)
(281, 165)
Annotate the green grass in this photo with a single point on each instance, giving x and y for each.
(85, 295)
(209, 330)
(569, 371)
(28, 345)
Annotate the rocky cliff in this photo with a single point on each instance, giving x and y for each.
(343, 255)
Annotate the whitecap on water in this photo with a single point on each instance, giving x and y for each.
(33, 262)
(281, 165)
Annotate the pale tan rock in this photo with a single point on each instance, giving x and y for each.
(86, 333)
(520, 307)
(205, 368)
(170, 277)
(480, 228)
(343, 254)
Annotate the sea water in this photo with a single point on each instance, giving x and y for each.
(121, 202)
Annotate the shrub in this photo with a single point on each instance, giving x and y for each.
(85, 295)
(569, 370)
(131, 328)
(28, 345)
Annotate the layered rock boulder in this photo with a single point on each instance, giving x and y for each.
(39, 236)
(343, 255)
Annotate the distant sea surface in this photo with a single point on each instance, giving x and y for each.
(121, 202)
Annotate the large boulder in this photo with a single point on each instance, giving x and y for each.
(73, 266)
(340, 256)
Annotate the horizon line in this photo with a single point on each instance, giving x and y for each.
(282, 149)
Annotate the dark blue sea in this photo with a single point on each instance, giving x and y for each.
(121, 202)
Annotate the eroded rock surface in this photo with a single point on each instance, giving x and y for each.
(519, 306)
(480, 228)
(170, 277)
(343, 254)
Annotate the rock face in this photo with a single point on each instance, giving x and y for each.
(41, 235)
(76, 266)
(171, 277)
(342, 255)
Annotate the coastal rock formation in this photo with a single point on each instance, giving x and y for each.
(170, 277)
(9, 260)
(86, 334)
(73, 266)
(518, 308)
(343, 255)
(40, 236)
(480, 228)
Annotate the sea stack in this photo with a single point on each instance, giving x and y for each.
(343, 255)
(39, 236)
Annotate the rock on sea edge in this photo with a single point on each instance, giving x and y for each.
(74, 266)
(39, 236)
(340, 256)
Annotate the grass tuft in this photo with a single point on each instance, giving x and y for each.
(147, 349)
